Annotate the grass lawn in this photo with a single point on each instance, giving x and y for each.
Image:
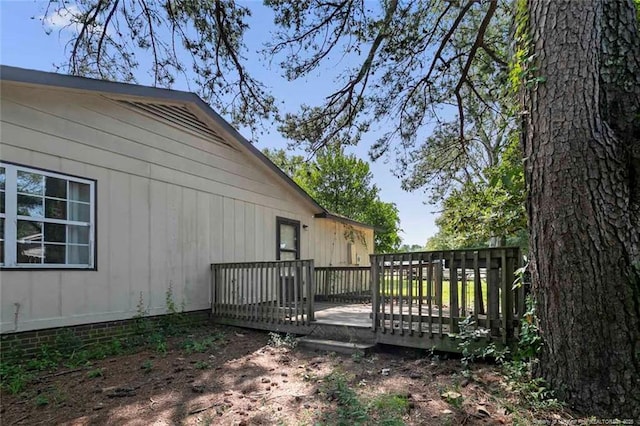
(392, 288)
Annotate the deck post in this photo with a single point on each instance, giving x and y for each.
(507, 295)
(493, 296)
(375, 299)
(311, 286)
(212, 289)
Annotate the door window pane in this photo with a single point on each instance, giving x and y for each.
(287, 237)
(30, 206)
(30, 183)
(287, 255)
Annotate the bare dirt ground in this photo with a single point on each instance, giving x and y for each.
(244, 379)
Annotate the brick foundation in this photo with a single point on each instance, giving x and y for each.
(29, 342)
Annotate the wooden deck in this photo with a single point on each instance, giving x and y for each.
(409, 299)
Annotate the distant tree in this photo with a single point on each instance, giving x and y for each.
(408, 248)
(343, 184)
(290, 164)
(490, 207)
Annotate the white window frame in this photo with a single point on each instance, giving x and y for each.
(11, 218)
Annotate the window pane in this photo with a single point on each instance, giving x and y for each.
(54, 253)
(287, 237)
(29, 231)
(55, 209)
(1, 201)
(30, 183)
(30, 206)
(79, 191)
(1, 251)
(1, 229)
(78, 255)
(29, 252)
(3, 177)
(78, 234)
(79, 212)
(56, 187)
(55, 233)
(287, 255)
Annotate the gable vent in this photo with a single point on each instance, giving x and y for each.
(179, 115)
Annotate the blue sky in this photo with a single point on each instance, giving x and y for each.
(24, 43)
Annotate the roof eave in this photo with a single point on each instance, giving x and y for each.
(43, 78)
(329, 215)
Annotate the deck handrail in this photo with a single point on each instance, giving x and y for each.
(343, 283)
(411, 294)
(280, 291)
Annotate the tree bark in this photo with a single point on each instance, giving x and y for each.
(581, 141)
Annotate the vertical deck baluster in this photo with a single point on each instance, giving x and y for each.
(430, 293)
(410, 292)
(401, 285)
(477, 287)
(439, 278)
(229, 299)
(233, 289)
(244, 305)
(383, 291)
(391, 290)
(247, 291)
(272, 292)
(252, 291)
(420, 292)
(296, 295)
(277, 289)
(375, 293)
(225, 288)
(453, 294)
(490, 291)
(311, 294)
(463, 293)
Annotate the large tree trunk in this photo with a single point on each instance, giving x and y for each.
(581, 141)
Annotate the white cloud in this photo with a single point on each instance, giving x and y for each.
(65, 18)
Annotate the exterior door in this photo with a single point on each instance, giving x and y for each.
(288, 248)
(287, 239)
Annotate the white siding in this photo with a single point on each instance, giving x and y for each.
(169, 204)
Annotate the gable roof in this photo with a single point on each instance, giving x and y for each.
(29, 76)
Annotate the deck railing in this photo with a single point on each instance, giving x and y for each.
(434, 292)
(272, 292)
(348, 284)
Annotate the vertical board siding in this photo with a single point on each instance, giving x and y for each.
(169, 203)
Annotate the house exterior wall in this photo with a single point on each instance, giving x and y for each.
(169, 203)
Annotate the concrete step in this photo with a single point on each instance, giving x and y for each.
(348, 348)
